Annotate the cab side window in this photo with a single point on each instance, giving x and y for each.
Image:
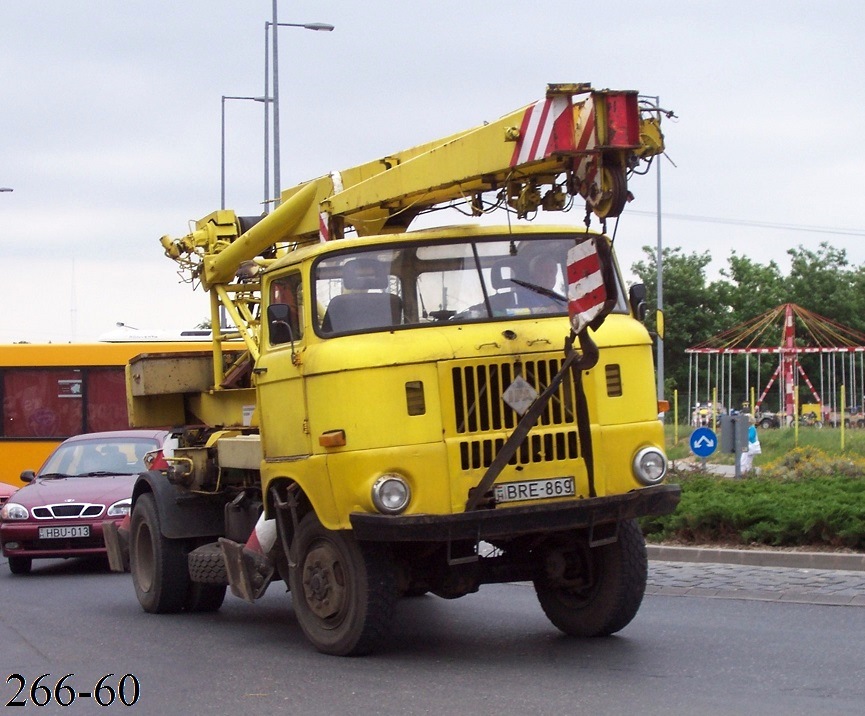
(285, 309)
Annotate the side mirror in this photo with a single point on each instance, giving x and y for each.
(637, 298)
(28, 476)
(279, 323)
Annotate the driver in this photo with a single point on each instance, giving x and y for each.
(543, 274)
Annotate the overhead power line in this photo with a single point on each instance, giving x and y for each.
(757, 224)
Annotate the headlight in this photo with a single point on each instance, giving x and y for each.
(391, 494)
(120, 509)
(650, 466)
(13, 511)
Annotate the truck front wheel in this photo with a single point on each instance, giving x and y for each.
(344, 592)
(158, 564)
(594, 591)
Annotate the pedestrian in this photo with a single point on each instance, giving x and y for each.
(746, 459)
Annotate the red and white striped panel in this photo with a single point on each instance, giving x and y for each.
(263, 537)
(586, 290)
(323, 221)
(547, 127)
(587, 140)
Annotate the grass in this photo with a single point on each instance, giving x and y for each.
(809, 492)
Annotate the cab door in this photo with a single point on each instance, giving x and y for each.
(279, 371)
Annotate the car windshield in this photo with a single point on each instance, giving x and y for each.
(93, 458)
(464, 280)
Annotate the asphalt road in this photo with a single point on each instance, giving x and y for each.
(687, 652)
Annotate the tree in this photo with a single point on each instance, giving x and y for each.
(751, 289)
(823, 282)
(692, 310)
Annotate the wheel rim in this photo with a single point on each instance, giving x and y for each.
(324, 582)
(144, 558)
(573, 575)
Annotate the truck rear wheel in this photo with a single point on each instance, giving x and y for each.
(595, 592)
(158, 564)
(344, 593)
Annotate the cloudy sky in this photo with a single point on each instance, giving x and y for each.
(110, 117)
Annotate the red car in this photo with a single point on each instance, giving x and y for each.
(6, 491)
(86, 480)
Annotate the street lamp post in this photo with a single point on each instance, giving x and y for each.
(222, 143)
(316, 26)
(659, 267)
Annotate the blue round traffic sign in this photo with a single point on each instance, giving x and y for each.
(703, 442)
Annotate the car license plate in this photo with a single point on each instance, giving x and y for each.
(64, 532)
(535, 489)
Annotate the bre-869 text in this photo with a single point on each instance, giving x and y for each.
(42, 692)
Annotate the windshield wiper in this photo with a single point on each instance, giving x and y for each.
(53, 476)
(549, 293)
(101, 473)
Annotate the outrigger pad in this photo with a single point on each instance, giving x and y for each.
(248, 574)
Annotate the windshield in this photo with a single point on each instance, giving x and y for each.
(98, 457)
(466, 280)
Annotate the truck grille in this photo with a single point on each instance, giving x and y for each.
(479, 409)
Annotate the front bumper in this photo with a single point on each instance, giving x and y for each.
(515, 521)
(26, 535)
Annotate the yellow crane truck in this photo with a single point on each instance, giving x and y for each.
(397, 412)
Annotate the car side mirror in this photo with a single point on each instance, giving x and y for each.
(637, 298)
(279, 323)
(28, 476)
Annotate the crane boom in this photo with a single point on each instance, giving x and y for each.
(576, 141)
(583, 147)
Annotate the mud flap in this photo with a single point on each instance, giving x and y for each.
(249, 574)
(117, 544)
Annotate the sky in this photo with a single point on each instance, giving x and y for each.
(111, 114)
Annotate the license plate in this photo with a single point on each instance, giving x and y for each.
(64, 532)
(535, 489)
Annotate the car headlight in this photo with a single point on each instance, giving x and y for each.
(391, 494)
(13, 511)
(650, 466)
(121, 508)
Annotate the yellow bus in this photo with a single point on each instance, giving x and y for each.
(49, 392)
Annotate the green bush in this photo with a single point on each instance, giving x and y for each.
(799, 502)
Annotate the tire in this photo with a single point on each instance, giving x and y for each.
(344, 593)
(594, 592)
(159, 571)
(204, 597)
(207, 566)
(20, 565)
(208, 579)
(766, 424)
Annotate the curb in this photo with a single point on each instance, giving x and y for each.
(758, 558)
